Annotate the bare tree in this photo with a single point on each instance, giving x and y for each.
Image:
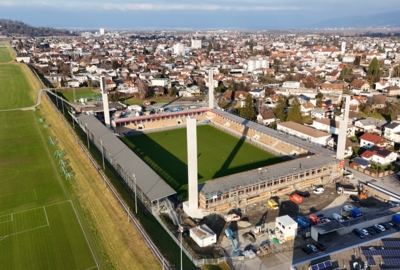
(142, 89)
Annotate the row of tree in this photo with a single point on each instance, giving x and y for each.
(9, 28)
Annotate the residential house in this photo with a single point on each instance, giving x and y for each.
(367, 140)
(257, 93)
(360, 85)
(23, 57)
(306, 108)
(127, 87)
(370, 124)
(331, 126)
(319, 113)
(327, 87)
(379, 155)
(266, 118)
(391, 91)
(303, 132)
(392, 132)
(348, 150)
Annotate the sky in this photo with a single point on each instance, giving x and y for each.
(187, 14)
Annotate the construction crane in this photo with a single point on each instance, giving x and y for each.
(229, 234)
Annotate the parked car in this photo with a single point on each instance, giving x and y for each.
(304, 194)
(379, 227)
(319, 190)
(325, 220)
(355, 198)
(371, 231)
(359, 233)
(375, 229)
(306, 250)
(386, 225)
(346, 216)
(337, 217)
(321, 216)
(319, 246)
(312, 247)
(395, 226)
(365, 232)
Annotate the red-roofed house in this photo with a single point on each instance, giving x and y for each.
(379, 155)
(367, 140)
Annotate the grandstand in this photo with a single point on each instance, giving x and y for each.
(306, 164)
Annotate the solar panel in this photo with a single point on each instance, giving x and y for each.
(391, 243)
(314, 267)
(328, 263)
(392, 261)
(382, 252)
(321, 266)
(371, 262)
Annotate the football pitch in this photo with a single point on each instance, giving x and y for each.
(39, 225)
(80, 93)
(218, 154)
(4, 53)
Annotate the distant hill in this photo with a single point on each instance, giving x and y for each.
(387, 19)
(17, 28)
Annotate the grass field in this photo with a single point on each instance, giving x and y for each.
(219, 154)
(15, 89)
(80, 93)
(4, 53)
(39, 226)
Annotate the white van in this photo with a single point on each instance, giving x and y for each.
(337, 217)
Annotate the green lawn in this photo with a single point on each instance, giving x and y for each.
(39, 228)
(136, 101)
(14, 88)
(80, 93)
(219, 154)
(4, 54)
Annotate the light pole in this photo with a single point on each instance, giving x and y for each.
(102, 153)
(181, 231)
(87, 135)
(134, 178)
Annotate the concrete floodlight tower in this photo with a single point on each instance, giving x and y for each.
(343, 48)
(105, 101)
(211, 97)
(191, 207)
(341, 145)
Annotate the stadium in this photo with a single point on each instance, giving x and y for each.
(304, 164)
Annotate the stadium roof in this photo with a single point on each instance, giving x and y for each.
(149, 182)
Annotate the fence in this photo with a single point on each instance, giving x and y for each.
(142, 232)
(371, 172)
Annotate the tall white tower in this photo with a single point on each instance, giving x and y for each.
(211, 89)
(191, 207)
(105, 101)
(341, 146)
(343, 48)
(102, 32)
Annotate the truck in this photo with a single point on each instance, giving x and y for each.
(349, 190)
(302, 221)
(355, 213)
(273, 204)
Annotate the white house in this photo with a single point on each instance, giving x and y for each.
(367, 140)
(318, 113)
(203, 235)
(392, 132)
(304, 132)
(163, 82)
(286, 227)
(23, 58)
(331, 126)
(257, 93)
(379, 155)
(370, 124)
(291, 84)
(266, 118)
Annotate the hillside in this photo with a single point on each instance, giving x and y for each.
(18, 28)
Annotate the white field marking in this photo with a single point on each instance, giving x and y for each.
(10, 215)
(11, 177)
(87, 241)
(32, 229)
(94, 267)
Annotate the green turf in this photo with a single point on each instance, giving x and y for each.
(39, 228)
(4, 53)
(14, 88)
(80, 93)
(219, 154)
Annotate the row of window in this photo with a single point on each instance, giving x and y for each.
(262, 186)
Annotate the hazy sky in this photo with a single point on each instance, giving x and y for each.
(162, 14)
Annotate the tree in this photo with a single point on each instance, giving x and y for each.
(294, 112)
(374, 71)
(280, 108)
(248, 111)
(142, 89)
(396, 71)
(173, 91)
(319, 95)
(20, 45)
(209, 48)
(345, 72)
(357, 60)
(115, 65)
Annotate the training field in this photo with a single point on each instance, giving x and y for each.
(39, 227)
(15, 90)
(219, 154)
(80, 93)
(4, 53)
